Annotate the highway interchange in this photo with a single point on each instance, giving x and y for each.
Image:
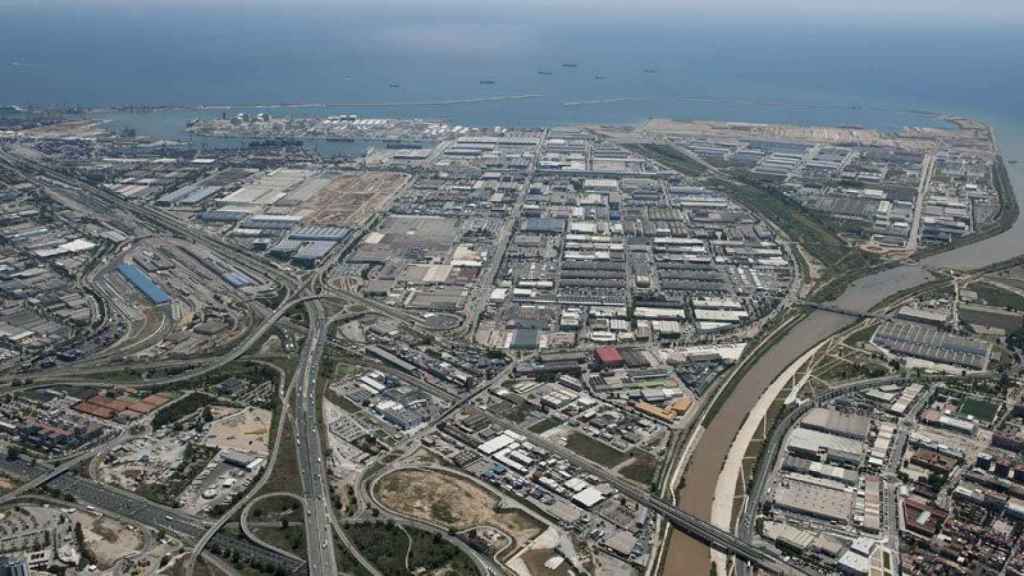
(319, 520)
(322, 527)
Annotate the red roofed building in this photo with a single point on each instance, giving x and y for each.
(923, 518)
(609, 357)
(94, 410)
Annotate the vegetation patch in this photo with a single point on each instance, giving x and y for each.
(595, 450)
(545, 425)
(290, 536)
(187, 406)
(388, 547)
(641, 470)
(998, 297)
(450, 501)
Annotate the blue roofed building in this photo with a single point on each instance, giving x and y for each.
(143, 283)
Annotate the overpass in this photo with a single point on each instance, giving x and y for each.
(137, 509)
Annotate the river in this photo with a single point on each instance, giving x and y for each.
(686, 556)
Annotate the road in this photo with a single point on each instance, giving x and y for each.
(922, 191)
(319, 538)
(137, 509)
(484, 565)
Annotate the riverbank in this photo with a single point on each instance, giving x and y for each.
(687, 556)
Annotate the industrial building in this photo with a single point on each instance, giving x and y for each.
(141, 281)
(831, 421)
(926, 343)
(813, 500)
(813, 445)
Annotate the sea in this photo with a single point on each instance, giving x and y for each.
(544, 64)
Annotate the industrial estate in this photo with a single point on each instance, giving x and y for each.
(669, 348)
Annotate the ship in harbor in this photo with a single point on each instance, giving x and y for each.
(569, 65)
(487, 82)
(544, 72)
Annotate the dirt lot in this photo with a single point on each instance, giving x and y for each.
(350, 199)
(247, 431)
(451, 501)
(535, 560)
(108, 539)
(6, 484)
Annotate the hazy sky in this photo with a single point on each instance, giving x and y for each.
(960, 12)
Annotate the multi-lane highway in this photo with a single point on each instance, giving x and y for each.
(137, 509)
(319, 538)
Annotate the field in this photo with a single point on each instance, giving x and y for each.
(980, 409)
(545, 425)
(594, 450)
(107, 539)
(350, 199)
(284, 475)
(182, 408)
(535, 559)
(995, 296)
(246, 431)
(641, 469)
(450, 501)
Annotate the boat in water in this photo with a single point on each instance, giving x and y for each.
(569, 65)
(394, 85)
(487, 82)
(544, 72)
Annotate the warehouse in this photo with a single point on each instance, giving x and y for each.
(817, 469)
(144, 284)
(813, 500)
(310, 253)
(525, 339)
(273, 221)
(609, 357)
(328, 233)
(543, 225)
(919, 341)
(833, 422)
(811, 444)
